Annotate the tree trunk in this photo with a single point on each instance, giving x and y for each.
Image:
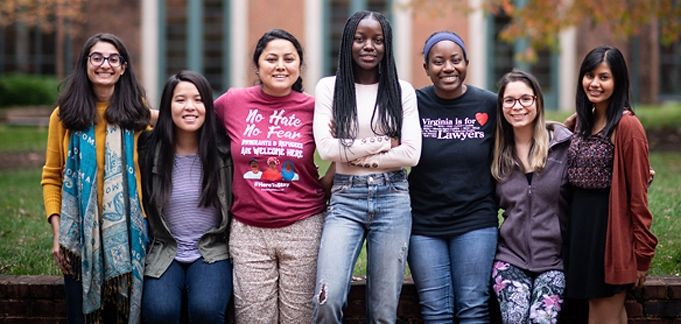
(59, 43)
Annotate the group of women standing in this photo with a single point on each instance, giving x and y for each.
(218, 222)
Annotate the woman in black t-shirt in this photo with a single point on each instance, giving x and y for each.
(454, 232)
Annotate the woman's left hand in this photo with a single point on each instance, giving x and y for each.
(153, 117)
(332, 128)
(394, 142)
(640, 278)
(571, 122)
(327, 180)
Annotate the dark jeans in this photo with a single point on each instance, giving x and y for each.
(205, 289)
(73, 290)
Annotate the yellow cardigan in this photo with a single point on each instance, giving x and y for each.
(55, 157)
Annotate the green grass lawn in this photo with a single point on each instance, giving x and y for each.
(664, 116)
(25, 235)
(665, 203)
(22, 139)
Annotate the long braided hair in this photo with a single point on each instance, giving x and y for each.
(387, 115)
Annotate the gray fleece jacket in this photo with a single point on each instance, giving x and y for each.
(535, 215)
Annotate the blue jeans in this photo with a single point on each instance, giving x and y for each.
(452, 276)
(376, 208)
(207, 288)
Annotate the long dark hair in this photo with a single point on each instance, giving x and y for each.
(387, 116)
(77, 102)
(279, 34)
(163, 139)
(618, 102)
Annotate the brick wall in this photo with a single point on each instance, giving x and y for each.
(39, 299)
(32, 299)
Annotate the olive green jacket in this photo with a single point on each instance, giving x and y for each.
(213, 245)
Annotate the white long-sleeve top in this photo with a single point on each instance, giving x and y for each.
(369, 152)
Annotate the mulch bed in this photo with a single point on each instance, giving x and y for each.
(21, 160)
(664, 139)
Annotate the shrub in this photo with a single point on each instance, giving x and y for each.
(28, 90)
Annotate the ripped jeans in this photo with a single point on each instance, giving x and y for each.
(376, 208)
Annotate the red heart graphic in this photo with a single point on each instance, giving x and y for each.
(481, 118)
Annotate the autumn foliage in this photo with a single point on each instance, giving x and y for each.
(540, 22)
(48, 15)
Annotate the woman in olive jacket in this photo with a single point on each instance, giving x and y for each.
(186, 180)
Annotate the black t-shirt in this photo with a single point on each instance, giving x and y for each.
(452, 189)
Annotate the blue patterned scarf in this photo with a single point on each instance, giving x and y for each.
(109, 247)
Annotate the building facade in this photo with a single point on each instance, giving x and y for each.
(217, 37)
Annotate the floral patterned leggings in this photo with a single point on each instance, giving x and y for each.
(528, 297)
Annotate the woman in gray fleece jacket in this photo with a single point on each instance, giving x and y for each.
(530, 166)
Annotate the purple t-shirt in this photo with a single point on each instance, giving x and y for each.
(275, 178)
(187, 221)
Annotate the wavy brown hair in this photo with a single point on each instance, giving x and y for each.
(505, 157)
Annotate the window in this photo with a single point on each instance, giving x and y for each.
(176, 40)
(338, 11)
(502, 52)
(670, 71)
(503, 57)
(213, 67)
(27, 49)
(175, 35)
(338, 14)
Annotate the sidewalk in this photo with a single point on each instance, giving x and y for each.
(26, 116)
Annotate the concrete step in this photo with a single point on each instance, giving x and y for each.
(26, 116)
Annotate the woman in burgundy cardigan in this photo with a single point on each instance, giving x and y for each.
(610, 243)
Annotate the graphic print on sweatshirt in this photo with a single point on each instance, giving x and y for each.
(455, 129)
(271, 142)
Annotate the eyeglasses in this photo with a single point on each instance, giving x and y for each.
(98, 59)
(525, 101)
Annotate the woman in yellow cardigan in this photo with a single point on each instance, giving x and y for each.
(91, 184)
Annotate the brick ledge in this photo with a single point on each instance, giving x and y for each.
(39, 299)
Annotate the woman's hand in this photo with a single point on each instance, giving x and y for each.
(571, 122)
(332, 128)
(62, 260)
(327, 180)
(640, 278)
(153, 117)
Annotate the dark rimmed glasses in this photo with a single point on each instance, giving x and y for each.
(525, 101)
(97, 59)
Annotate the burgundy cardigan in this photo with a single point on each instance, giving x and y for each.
(629, 244)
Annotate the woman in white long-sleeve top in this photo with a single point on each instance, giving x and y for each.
(366, 121)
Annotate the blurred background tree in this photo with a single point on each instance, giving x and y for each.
(59, 16)
(540, 22)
